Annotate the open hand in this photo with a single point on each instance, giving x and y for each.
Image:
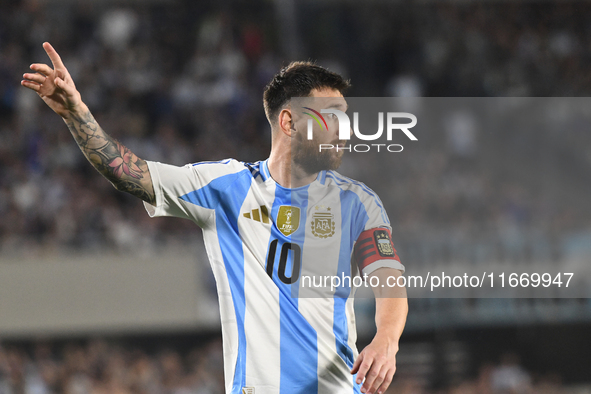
(55, 86)
(376, 365)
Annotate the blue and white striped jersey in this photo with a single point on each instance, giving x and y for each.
(261, 240)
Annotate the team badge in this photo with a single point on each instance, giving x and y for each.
(288, 219)
(384, 243)
(322, 223)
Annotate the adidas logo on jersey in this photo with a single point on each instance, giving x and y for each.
(259, 215)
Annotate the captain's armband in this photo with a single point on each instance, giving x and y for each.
(375, 246)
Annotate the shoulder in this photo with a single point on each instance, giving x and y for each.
(227, 164)
(215, 169)
(335, 179)
(365, 197)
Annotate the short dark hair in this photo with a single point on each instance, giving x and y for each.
(298, 79)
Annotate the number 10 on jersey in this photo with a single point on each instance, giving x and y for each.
(296, 261)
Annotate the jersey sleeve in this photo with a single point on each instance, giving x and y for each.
(189, 191)
(374, 247)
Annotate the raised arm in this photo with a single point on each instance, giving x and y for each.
(119, 165)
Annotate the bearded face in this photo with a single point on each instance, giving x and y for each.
(307, 155)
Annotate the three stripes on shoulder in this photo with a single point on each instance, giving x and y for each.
(259, 215)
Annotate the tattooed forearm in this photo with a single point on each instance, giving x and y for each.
(119, 165)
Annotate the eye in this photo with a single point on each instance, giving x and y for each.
(331, 116)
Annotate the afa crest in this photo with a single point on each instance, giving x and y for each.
(384, 243)
(323, 225)
(288, 219)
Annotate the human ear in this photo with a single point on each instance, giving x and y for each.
(286, 122)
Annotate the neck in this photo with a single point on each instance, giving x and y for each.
(285, 172)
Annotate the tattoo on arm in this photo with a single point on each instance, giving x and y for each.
(119, 165)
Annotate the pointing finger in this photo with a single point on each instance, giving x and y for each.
(41, 68)
(55, 58)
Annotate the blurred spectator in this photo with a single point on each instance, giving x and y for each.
(510, 377)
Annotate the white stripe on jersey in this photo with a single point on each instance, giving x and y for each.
(261, 321)
(320, 311)
(227, 315)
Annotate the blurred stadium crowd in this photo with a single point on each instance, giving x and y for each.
(183, 83)
(101, 367)
(176, 88)
(98, 366)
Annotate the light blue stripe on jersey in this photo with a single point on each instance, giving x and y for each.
(213, 194)
(350, 202)
(298, 339)
(322, 177)
(299, 198)
(227, 213)
(341, 180)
